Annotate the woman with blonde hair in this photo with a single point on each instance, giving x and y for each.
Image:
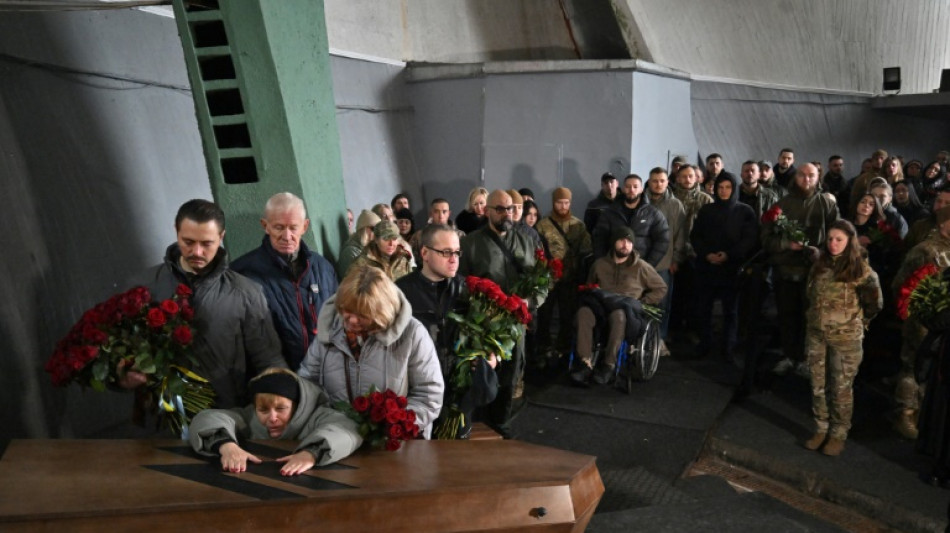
(368, 337)
(473, 216)
(285, 408)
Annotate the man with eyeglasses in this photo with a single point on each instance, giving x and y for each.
(497, 252)
(434, 291)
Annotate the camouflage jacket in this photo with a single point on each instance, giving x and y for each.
(675, 215)
(570, 246)
(692, 200)
(935, 250)
(842, 307)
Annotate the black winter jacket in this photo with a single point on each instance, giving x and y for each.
(724, 226)
(431, 302)
(294, 303)
(647, 222)
(233, 327)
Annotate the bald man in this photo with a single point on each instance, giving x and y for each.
(497, 252)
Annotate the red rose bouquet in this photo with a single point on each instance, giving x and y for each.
(924, 294)
(493, 323)
(130, 331)
(790, 230)
(885, 235)
(382, 417)
(540, 277)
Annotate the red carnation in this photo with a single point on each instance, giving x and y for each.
(170, 307)
(361, 404)
(155, 318)
(377, 414)
(183, 290)
(512, 303)
(557, 268)
(402, 401)
(539, 254)
(376, 398)
(395, 416)
(182, 335)
(187, 312)
(392, 445)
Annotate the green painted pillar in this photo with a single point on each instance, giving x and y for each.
(260, 74)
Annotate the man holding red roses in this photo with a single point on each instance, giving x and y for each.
(434, 291)
(497, 252)
(233, 327)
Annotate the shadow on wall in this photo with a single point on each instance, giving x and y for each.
(77, 204)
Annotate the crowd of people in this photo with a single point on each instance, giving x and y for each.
(830, 251)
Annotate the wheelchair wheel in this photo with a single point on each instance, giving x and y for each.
(644, 355)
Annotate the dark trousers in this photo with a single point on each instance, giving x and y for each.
(682, 302)
(563, 298)
(754, 287)
(728, 294)
(509, 372)
(790, 303)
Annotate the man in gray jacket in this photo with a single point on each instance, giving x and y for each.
(232, 323)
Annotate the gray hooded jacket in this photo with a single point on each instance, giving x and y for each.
(326, 433)
(401, 357)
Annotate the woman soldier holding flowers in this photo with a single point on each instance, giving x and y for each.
(844, 294)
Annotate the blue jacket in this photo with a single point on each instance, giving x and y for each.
(294, 303)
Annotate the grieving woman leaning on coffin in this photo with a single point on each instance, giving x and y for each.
(287, 408)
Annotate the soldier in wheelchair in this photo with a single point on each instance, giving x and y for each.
(625, 282)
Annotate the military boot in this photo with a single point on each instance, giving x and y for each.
(833, 447)
(906, 424)
(815, 441)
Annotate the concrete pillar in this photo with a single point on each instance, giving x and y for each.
(260, 73)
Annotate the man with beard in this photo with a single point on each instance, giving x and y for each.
(661, 197)
(785, 169)
(497, 252)
(767, 178)
(434, 291)
(622, 276)
(752, 193)
(791, 260)
(296, 280)
(233, 326)
(568, 241)
(607, 196)
(835, 183)
(631, 210)
(687, 191)
(716, 167)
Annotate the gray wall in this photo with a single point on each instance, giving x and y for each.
(545, 129)
(742, 122)
(374, 119)
(93, 170)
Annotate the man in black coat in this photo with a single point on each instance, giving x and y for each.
(296, 280)
(632, 210)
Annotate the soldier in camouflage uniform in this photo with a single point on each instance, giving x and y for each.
(844, 294)
(568, 241)
(934, 250)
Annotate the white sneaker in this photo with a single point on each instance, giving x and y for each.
(664, 351)
(782, 367)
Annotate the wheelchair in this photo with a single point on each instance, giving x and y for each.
(636, 361)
